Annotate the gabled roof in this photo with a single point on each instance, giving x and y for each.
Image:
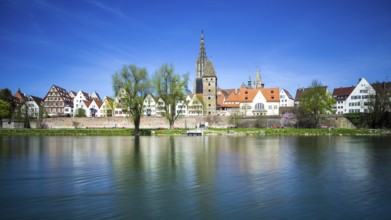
(85, 94)
(97, 102)
(271, 94)
(288, 94)
(36, 99)
(87, 103)
(20, 96)
(343, 92)
(247, 95)
(95, 95)
(63, 94)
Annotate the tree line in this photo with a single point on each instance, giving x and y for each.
(132, 84)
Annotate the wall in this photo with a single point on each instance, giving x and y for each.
(152, 122)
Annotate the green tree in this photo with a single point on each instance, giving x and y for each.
(170, 87)
(6, 95)
(80, 113)
(314, 102)
(379, 106)
(5, 109)
(132, 85)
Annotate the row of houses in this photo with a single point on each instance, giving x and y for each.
(244, 101)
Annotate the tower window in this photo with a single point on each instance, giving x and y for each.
(209, 90)
(209, 99)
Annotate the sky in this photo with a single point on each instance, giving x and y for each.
(80, 44)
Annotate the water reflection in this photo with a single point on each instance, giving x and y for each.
(194, 177)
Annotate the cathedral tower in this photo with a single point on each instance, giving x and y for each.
(209, 85)
(258, 81)
(200, 66)
(206, 80)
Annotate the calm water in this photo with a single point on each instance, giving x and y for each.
(195, 177)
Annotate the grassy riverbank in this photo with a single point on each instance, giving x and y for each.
(209, 132)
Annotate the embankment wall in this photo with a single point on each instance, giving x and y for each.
(185, 122)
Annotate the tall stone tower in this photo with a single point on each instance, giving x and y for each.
(258, 81)
(206, 80)
(209, 85)
(200, 66)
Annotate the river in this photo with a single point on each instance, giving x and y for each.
(170, 177)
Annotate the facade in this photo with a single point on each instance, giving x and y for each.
(94, 108)
(107, 108)
(357, 101)
(79, 101)
(340, 95)
(286, 99)
(149, 106)
(57, 102)
(34, 106)
(250, 102)
(119, 108)
(195, 105)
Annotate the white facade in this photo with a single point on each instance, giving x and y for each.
(33, 107)
(259, 106)
(149, 106)
(78, 101)
(181, 108)
(357, 102)
(286, 100)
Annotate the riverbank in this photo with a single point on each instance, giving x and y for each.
(207, 132)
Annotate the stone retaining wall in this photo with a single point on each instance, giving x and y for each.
(336, 121)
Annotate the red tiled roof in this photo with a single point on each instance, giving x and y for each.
(20, 97)
(342, 93)
(248, 95)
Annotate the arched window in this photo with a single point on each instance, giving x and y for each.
(259, 106)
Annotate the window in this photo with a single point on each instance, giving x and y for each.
(259, 106)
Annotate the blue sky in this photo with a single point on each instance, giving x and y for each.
(80, 44)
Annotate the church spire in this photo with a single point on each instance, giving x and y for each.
(258, 80)
(201, 60)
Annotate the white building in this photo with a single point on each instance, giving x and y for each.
(34, 106)
(286, 99)
(251, 102)
(357, 101)
(149, 106)
(78, 102)
(340, 95)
